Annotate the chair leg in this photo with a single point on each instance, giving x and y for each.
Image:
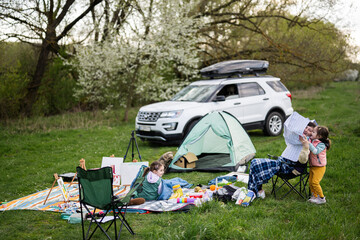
(292, 187)
(305, 180)
(123, 220)
(97, 225)
(113, 222)
(82, 221)
(302, 187)
(273, 190)
(118, 215)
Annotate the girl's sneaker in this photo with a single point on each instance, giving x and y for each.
(312, 199)
(261, 194)
(320, 200)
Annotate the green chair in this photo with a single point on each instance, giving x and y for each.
(96, 192)
(298, 185)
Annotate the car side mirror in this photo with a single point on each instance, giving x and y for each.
(219, 98)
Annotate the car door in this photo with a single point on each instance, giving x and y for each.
(232, 102)
(253, 101)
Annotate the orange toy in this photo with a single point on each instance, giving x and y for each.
(213, 188)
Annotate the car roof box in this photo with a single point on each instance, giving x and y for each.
(235, 67)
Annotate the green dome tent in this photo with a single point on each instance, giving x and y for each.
(217, 142)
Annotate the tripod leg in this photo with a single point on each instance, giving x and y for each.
(132, 145)
(72, 181)
(137, 147)
(127, 150)
(132, 142)
(50, 191)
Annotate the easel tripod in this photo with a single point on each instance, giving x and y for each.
(132, 142)
(82, 165)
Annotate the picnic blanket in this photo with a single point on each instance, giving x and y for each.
(162, 205)
(56, 203)
(159, 206)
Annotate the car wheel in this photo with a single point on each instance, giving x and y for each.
(274, 124)
(190, 127)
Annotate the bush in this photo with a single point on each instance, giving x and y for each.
(56, 93)
(12, 90)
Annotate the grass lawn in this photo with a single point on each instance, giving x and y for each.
(31, 150)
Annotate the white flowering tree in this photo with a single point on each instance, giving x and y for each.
(145, 59)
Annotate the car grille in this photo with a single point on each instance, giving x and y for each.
(149, 116)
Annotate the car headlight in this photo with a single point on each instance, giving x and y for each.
(171, 114)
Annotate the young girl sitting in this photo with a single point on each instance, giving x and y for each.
(151, 187)
(320, 143)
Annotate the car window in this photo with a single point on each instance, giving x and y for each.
(195, 93)
(229, 91)
(250, 89)
(277, 86)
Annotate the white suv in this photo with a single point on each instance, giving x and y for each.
(258, 102)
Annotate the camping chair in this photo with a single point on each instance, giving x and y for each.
(297, 185)
(96, 192)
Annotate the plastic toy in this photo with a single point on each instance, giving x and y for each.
(177, 192)
(213, 188)
(185, 200)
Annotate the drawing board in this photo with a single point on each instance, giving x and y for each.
(115, 163)
(129, 170)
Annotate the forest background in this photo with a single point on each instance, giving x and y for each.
(61, 56)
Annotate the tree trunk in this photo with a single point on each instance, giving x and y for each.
(35, 82)
(128, 107)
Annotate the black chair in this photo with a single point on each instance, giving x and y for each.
(297, 183)
(96, 192)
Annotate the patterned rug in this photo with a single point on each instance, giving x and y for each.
(56, 203)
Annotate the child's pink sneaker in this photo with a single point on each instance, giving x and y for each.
(312, 199)
(320, 200)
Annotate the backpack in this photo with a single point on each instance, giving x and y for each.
(225, 193)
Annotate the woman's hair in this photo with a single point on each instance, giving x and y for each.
(311, 124)
(154, 166)
(323, 135)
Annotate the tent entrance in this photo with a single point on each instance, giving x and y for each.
(219, 142)
(212, 160)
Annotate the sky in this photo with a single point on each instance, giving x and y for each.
(346, 16)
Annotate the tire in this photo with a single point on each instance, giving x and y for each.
(189, 128)
(274, 124)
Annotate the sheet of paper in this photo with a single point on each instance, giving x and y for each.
(115, 163)
(129, 170)
(64, 190)
(294, 127)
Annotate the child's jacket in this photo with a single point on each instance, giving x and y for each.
(317, 160)
(149, 190)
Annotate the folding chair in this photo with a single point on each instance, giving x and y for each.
(96, 192)
(295, 183)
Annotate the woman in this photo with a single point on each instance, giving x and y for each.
(293, 160)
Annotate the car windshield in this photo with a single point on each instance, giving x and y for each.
(195, 93)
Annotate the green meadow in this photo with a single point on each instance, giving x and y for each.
(32, 150)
